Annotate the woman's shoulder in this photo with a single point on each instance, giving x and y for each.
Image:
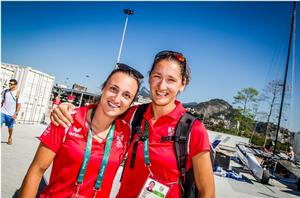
(198, 129)
(79, 113)
(198, 123)
(122, 129)
(128, 115)
(199, 140)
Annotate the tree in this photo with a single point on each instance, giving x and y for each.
(246, 97)
(245, 115)
(244, 123)
(272, 95)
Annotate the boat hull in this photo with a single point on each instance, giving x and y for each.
(249, 160)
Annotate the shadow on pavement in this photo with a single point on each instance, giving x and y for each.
(293, 192)
(267, 195)
(42, 185)
(241, 170)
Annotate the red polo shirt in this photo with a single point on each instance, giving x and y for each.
(162, 154)
(70, 154)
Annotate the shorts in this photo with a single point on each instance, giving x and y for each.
(8, 120)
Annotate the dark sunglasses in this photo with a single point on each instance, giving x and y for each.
(124, 67)
(11, 84)
(166, 53)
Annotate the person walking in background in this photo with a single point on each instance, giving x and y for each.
(10, 107)
(87, 155)
(155, 159)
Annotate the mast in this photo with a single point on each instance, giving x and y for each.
(285, 74)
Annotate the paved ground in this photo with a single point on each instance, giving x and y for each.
(16, 158)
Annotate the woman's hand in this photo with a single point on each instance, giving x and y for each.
(61, 115)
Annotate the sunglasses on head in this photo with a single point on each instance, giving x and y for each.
(124, 67)
(166, 53)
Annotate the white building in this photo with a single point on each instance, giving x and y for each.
(296, 145)
(35, 89)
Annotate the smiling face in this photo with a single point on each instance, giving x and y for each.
(117, 94)
(165, 83)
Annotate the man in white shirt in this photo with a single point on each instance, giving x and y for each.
(290, 153)
(10, 107)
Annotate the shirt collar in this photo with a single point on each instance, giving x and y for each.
(175, 114)
(80, 115)
(80, 118)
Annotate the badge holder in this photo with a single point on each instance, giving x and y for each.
(76, 193)
(154, 188)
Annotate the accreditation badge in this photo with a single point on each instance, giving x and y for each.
(153, 189)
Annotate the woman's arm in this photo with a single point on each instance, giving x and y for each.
(204, 175)
(42, 160)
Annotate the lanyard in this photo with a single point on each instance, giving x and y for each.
(146, 145)
(88, 153)
(105, 157)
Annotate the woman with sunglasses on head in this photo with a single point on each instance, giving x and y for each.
(156, 159)
(86, 155)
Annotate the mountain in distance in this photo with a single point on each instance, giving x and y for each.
(210, 108)
(217, 109)
(190, 104)
(214, 107)
(144, 92)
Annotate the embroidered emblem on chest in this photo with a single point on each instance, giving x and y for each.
(119, 141)
(75, 132)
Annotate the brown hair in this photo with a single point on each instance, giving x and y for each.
(126, 70)
(13, 81)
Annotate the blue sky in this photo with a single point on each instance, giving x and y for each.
(229, 45)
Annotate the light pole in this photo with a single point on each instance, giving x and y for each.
(85, 90)
(127, 12)
(87, 76)
(66, 82)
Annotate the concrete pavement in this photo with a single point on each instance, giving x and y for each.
(16, 158)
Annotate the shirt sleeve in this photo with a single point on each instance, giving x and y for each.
(198, 141)
(53, 137)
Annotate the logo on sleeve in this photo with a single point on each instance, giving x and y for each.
(47, 130)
